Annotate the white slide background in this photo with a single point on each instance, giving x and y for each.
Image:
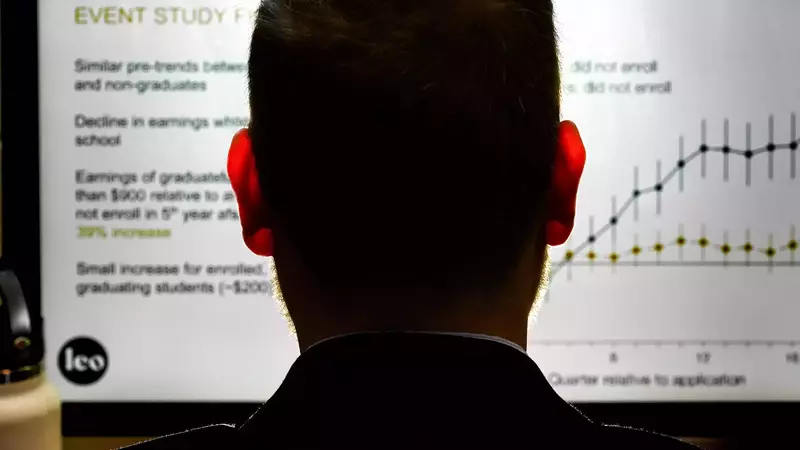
(666, 319)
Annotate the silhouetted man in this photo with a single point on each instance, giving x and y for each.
(406, 169)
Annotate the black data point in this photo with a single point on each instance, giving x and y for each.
(703, 148)
(726, 149)
(613, 221)
(637, 193)
(659, 187)
(770, 147)
(748, 154)
(591, 239)
(793, 145)
(681, 164)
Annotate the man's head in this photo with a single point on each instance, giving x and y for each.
(405, 163)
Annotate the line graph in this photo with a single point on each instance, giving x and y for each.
(680, 280)
(704, 247)
(675, 263)
(725, 248)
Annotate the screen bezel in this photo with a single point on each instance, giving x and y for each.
(21, 214)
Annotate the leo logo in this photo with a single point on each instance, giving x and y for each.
(83, 361)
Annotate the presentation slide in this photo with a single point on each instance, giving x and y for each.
(679, 283)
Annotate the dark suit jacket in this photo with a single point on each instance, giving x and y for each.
(405, 390)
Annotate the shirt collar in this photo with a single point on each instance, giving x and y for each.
(466, 335)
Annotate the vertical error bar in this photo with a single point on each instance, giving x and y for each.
(725, 244)
(703, 237)
(568, 263)
(592, 240)
(771, 148)
(614, 221)
(748, 247)
(658, 247)
(659, 187)
(726, 151)
(747, 161)
(770, 247)
(636, 193)
(681, 163)
(793, 147)
(704, 142)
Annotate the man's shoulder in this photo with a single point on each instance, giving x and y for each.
(226, 436)
(632, 438)
(214, 436)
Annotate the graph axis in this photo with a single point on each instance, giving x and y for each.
(679, 343)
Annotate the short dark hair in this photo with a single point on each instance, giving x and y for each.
(405, 145)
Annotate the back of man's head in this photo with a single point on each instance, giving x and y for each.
(405, 146)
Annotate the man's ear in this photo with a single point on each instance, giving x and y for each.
(253, 213)
(568, 166)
